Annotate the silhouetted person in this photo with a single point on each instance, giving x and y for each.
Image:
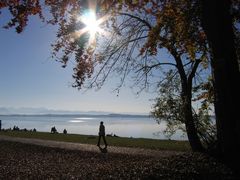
(64, 131)
(53, 130)
(101, 134)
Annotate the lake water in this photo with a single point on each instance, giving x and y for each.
(124, 126)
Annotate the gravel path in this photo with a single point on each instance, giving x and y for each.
(91, 148)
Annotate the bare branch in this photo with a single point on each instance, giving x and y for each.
(137, 18)
(155, 65)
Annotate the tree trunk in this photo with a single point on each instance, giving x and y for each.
(193, 137)
(217, 24)
(186, 96)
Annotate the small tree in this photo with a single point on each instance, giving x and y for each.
(168, 108)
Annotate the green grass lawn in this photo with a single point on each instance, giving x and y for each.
(112, 141)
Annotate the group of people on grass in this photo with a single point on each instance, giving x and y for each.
(54, 130)
(16, 128)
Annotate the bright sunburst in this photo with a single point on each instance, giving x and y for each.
(91, 24)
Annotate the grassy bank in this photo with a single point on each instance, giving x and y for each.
(112, 141)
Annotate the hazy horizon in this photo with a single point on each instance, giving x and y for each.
(44, 110)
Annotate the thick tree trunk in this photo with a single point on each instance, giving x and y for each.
(217, 24)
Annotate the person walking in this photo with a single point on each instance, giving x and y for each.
(101, 134)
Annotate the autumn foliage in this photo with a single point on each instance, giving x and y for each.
(170, 21)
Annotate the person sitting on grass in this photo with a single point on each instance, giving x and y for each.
(15, 128)
(53, 130)
(101, 134)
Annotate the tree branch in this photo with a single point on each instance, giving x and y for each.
(194, 69)
(155, 65)
(138, 18)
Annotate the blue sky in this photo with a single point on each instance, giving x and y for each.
(30, 78)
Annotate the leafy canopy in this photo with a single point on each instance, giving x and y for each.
(173, 25)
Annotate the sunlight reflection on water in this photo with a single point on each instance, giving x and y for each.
(76, 121)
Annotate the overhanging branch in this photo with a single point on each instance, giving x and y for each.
(138, 18)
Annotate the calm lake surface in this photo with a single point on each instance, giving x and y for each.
(124, 126)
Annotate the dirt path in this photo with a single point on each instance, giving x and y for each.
(25, 158)
(89, 147)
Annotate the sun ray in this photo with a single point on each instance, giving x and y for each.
(92, 25)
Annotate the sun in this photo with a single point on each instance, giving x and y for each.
(91, 23)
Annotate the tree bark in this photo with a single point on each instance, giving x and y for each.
(217, 24)
(186, 96)
(191, 130)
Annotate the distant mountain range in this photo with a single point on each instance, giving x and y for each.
(43, 111)
(27, 110)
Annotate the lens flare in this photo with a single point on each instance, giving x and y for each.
(91, 23)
